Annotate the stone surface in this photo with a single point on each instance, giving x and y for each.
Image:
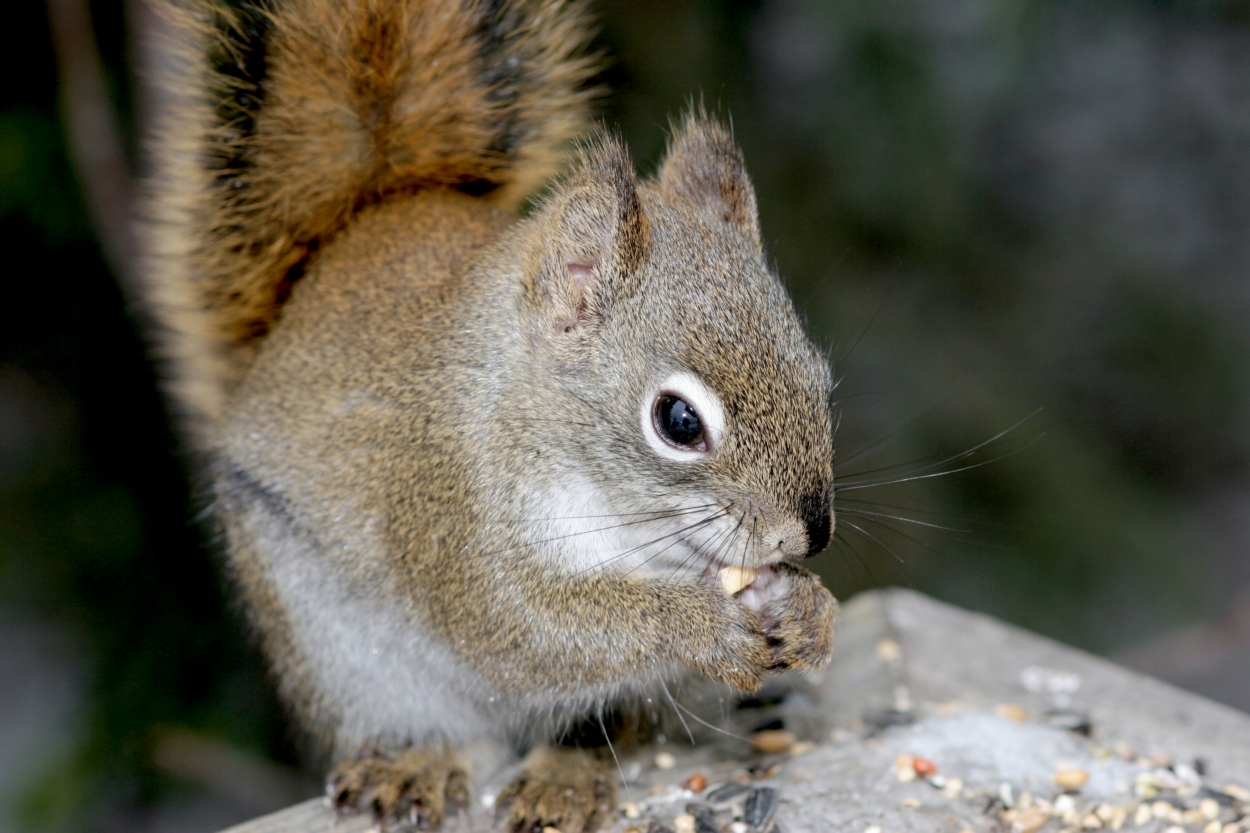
(998, 711)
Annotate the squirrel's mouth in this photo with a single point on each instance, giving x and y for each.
(749, 585)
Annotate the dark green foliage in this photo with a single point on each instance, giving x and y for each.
(95, 515)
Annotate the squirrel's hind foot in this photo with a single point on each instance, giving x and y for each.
(408, 789)
(572, 790)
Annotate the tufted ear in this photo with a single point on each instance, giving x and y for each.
(704, 166)
(595, 238)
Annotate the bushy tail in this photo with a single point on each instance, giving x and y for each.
(291, 115)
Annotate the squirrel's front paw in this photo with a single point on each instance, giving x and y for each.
(799, 620)
(412, 787)
(568, 789)
(723, 638)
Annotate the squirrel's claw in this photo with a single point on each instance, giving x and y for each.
(571, 790)
(411, 789)
(800, 633)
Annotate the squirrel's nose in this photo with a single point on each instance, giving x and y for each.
(818, 519)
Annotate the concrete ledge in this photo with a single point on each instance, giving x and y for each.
(1002, 721)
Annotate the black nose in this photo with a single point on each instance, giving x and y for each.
(818, 518)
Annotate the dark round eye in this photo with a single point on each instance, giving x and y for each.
(677, 422)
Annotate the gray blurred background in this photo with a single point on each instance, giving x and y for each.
(1020, 227)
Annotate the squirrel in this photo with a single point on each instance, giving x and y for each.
(481, 458)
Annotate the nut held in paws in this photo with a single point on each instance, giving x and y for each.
(734, 579)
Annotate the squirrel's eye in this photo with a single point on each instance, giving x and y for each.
(678, 423)
(682, 419)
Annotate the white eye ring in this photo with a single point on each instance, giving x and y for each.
(690, 389)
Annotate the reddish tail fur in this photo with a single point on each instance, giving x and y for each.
(294, 114)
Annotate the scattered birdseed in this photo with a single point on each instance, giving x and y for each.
(1072, 721)
(773, 741)
(695, 783)
(953, 787)
(684, 823)
(872, 829)
(888, 650)
(1012, 712)
(727, 793)
(630, 810)
(1143, 815)
(738, 827)
(1213, 827)
(704, 817)
(802, 748)
(1190, 780)
(911, 802)
(760, 772)
(551, 830)
(924, 767)
(760, 805)
(1038, 680)
(1030, 820)
(665, 760)
(1237, 792)
(1071, 779)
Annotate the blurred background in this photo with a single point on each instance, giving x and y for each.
(1020, 226)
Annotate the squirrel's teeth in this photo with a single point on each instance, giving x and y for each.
(733, 579)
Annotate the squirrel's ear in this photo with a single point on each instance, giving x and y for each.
(704, 166)
(595, 239)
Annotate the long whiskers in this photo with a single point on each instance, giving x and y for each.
(612, 749)
(925, 473)
(715, 546)
(650, 518)
(675, 534)
(680, 709)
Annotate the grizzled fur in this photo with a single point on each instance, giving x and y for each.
(433, 456)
